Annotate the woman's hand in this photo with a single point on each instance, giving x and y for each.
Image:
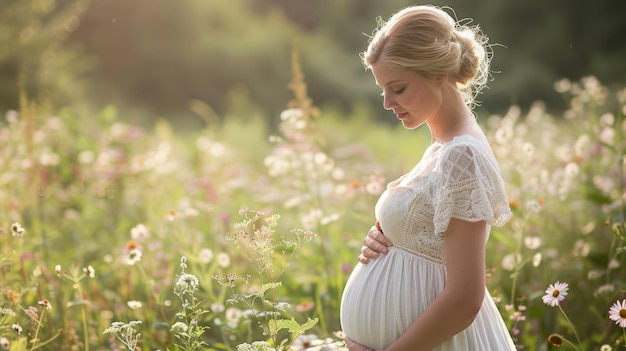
(355, 346)
(374, 244)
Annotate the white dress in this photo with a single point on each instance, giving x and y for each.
(381, 300)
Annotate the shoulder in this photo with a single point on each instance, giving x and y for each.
(466, 148)
(466, 157)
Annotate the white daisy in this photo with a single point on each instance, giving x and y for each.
(555, 293)
(617, 313)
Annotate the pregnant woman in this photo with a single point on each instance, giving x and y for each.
(428, 292)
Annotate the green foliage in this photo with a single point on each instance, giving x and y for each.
(35, 57)
(119, 205)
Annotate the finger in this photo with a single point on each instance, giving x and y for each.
(380, 237)
(363, 259)
(374, 245)
(378, 226)
(369, 253)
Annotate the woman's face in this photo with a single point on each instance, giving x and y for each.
(409, 95)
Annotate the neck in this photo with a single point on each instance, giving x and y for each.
(453, 117)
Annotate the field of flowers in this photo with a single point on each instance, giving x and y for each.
(233, 237)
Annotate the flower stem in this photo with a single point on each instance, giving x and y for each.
(43, 311)
(572, 344)
(571, 326)
(85, 327)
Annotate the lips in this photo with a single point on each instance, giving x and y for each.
(401, 115)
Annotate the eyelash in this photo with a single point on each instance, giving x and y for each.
(399, 91)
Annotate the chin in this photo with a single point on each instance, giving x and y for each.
(410, 126)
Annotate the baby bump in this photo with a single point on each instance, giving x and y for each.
(383, 298)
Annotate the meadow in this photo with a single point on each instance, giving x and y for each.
(236, 237)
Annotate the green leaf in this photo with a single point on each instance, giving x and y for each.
(268, 286)
(236, 298)
(291, 325)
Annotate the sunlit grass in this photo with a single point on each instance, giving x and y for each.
(96, 214)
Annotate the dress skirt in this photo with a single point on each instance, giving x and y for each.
(384, 297)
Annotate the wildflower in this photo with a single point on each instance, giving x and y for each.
(606, 347)
(57, 270)
(614, 264)
(171, 215)
(532, 242)
(617, 313)
(17, 328)
(89, 271)
(132, 244)
(186, 283)
(13, 296)
(305, 306)
(17, 230)
(255, 346)
(205, 255)
(510, 261)
(86, 157)
(134, 304)
(139, 232)
(555, 339)
(179, 328)
(7, 312)
(223, 260)
(126, 333)
(217, 307)
(233, 314)
(375, 185)
(45, 304)
(134, 256)
(4, 343)
(605, 289)
(537, 259)
(32, 312)
(555, 293)
(304, 342)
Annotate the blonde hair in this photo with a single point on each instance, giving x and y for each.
(428, 41)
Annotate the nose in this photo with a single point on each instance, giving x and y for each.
(388, 102)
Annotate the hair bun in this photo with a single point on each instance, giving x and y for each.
(471, 55)
(427, 40)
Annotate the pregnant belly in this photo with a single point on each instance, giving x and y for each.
(383, 298)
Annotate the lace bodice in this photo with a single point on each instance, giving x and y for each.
(459, 179)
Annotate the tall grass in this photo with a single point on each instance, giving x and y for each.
(97, 214)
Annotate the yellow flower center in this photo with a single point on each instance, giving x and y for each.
(555, 293)
(622, 313)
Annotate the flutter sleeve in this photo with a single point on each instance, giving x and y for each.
(469, 187)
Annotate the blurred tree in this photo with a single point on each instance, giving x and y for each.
(160, 55)
(539, 42)
(33, 58)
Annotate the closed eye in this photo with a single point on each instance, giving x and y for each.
(395, 92)
(399, 91)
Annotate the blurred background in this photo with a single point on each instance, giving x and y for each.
(179, 59)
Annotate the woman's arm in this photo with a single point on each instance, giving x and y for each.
(374, 244)
(461, 299)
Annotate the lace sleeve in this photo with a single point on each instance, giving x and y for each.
(469, 188)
